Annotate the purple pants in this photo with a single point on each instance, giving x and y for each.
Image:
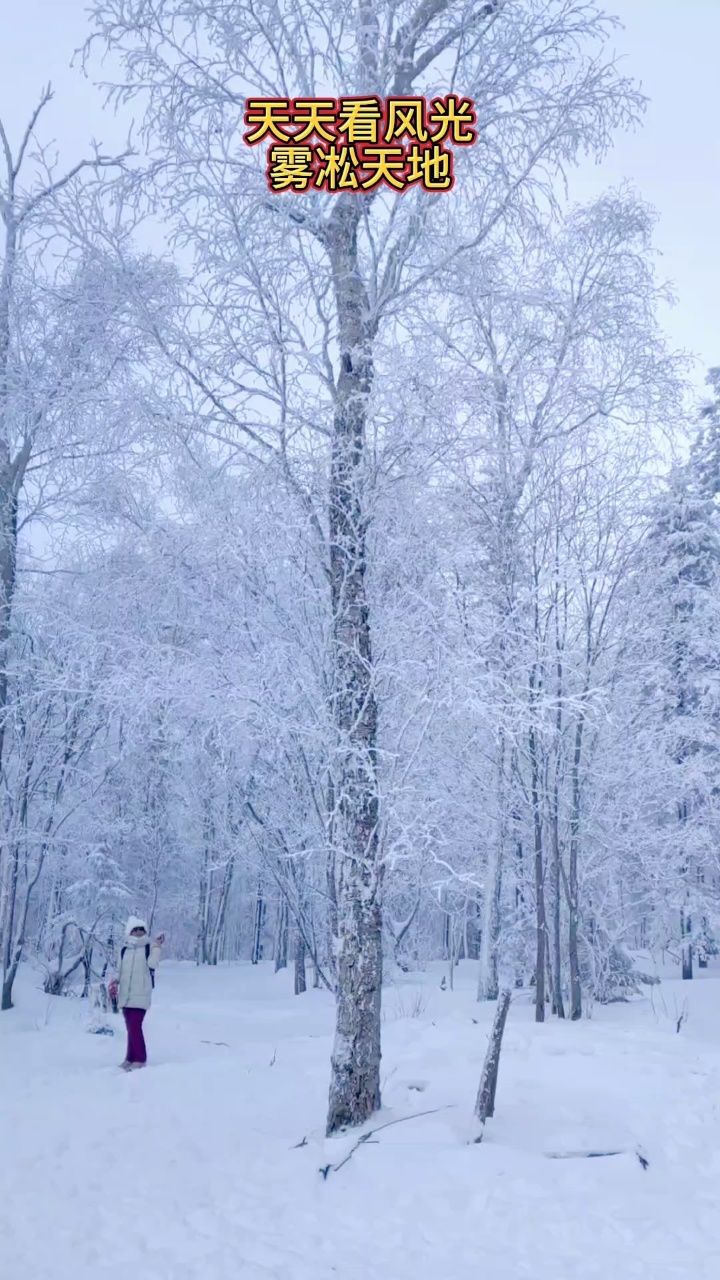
(136, 1051)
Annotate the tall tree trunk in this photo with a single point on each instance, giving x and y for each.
(331, 882)
(201, 945)
(687, 947)
(87, 972)
(549, 971)
(11, 469)
(13, 939)
(281, 936)
(702, 955)
(300, 975)
(219, 926)
(259, 921)
(355, 1068)
(558, 1005)
(12, 869)
(446, 931)
(8, 551)
(519, 896)
(685, 914)
(540, 918)
(488, 984)
(6, 1000)
(16, 946)
(573, 888)
(473, 930)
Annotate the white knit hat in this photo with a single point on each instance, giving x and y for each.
(135, 922)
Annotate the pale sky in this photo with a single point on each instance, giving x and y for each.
(670, 47)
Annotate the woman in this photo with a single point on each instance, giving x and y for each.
(136, 978)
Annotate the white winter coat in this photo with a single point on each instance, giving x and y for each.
(134, 981)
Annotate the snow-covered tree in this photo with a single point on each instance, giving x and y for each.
(292, 336)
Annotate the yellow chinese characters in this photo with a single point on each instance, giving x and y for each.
(360, 144)
(337, 168)
(359, 119)
(268, 116)
(454, 116)
(406, 117)
(290, 168)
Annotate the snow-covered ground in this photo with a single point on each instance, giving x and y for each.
(190, 1169)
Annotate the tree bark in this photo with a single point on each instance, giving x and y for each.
(540, 917)
(87, 971)
(281, 937)
(219, 926)
(355, 1068)
(446, 930)
(519, 863)
(11, 470)
(489, 984)
(558, 1006)
(485, 1102)
(300, 975)
(573, 889)
(14, 939)
(687, 947)
(201, 946)
(257, 945)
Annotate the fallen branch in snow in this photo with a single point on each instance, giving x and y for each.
(217, 1042)
(485, 1104)
(368, 1137)
(583, 1155)
(596, 1155)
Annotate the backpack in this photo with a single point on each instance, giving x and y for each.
(147, 958)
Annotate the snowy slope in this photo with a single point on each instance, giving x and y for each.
(188, 1170)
